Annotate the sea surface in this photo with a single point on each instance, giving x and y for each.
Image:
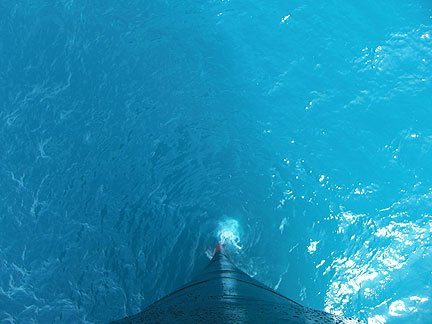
(135, 135)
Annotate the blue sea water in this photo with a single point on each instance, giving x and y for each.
(134, 135)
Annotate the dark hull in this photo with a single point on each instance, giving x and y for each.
(222, 294)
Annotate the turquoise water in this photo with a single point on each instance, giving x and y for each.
(134, 135)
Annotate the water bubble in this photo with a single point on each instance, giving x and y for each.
(229, 233)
